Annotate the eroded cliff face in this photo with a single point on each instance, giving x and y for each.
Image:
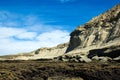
(100, 37)
(98, 32)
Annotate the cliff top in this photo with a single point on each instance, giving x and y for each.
(109, 16)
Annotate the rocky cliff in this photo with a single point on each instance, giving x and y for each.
(99, 37)
(97, 32)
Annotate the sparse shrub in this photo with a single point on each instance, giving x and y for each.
(40, 70)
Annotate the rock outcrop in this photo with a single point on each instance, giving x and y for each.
(97, 32)
(97, 39)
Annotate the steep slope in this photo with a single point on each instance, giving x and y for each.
(98, 37)
(99, 31)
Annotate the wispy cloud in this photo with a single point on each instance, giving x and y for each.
(29, 36)
(63, 1)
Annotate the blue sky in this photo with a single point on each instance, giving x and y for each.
(26, 25)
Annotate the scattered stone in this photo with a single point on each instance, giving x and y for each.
(117, 59)
(84, 59)
(102, 59)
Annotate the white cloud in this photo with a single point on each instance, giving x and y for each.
(53, 37)
(29, 20)
(63, 1)
(31, 36)
(8, 44)
(27, 35)
(6, 32)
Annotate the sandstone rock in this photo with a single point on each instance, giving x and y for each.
(99, 31)
(117, 59)
(73, 60)
(98, 37)
(84, 59)
(111, 51)
(102, 59)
